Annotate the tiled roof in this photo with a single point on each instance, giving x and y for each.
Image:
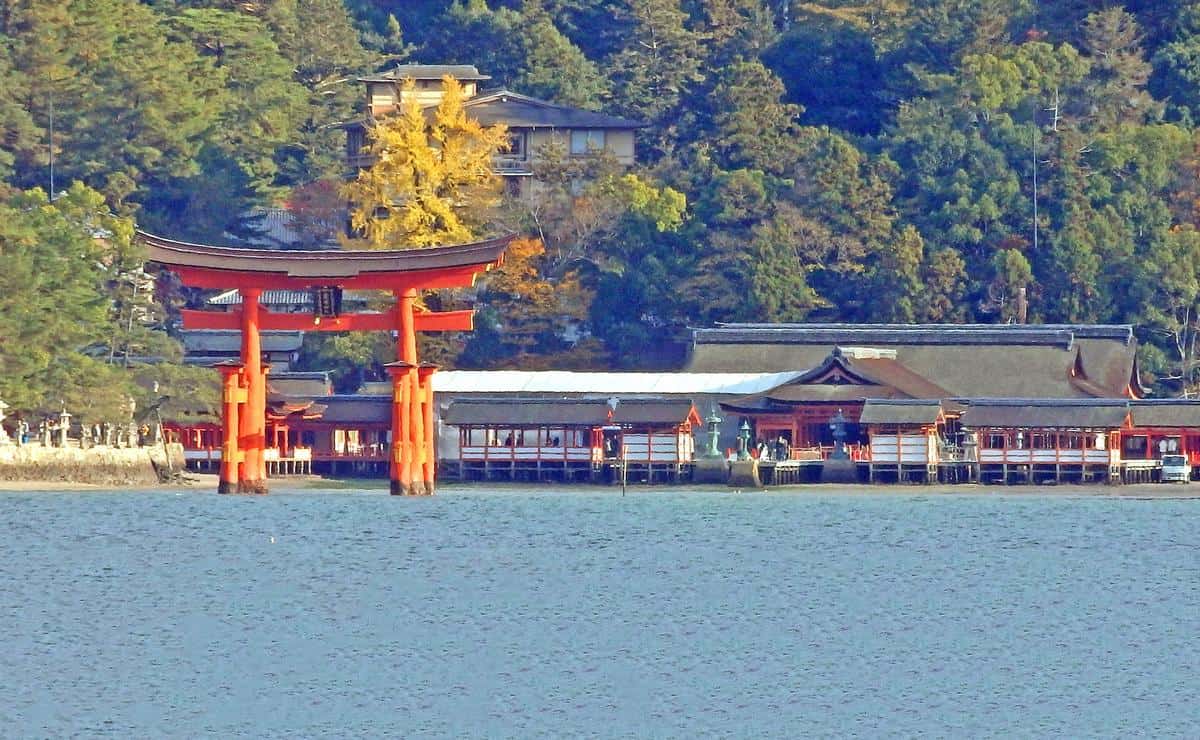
(1166, 412)
(200, 341)
(906, 411)
(357, 409)
(427, 72)
(526, 412)
(521, 111)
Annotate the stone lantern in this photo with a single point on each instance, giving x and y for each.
(64, 424)
(744, 440)
(837, 425)
(714, 423)
(3, 434)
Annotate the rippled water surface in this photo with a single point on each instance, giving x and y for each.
(553, 613)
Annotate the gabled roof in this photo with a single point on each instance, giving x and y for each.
(1092, 413)
(847, 374)
(427, 72)
(970, 360)
(521, 111)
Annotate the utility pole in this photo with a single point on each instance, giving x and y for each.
(51, 96)
(1035, 183)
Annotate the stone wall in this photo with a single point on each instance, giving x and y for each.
(106, 466)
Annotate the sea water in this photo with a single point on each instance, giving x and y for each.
(552, 613)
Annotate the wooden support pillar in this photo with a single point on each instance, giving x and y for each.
(405, 377)
(252, 438)
(416, 433)
(399, 451)
(232, 395)
(429, 461)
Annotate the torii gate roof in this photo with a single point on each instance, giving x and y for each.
(207, 266)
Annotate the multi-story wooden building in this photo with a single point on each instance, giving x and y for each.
(533, 124)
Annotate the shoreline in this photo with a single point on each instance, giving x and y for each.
(207, 483)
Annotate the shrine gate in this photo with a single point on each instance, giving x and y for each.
(326, 273)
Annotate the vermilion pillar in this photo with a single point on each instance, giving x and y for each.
(262, 411)
(409, 427)
(429, 461)
(416, 432)
(398, 467)
(232, 395)
(252, 435)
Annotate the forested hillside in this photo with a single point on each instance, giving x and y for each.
(870, 160)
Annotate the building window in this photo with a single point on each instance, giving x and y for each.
(587, 141)
(516, 144)
(995, 441)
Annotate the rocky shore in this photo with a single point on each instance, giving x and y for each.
(100, 466)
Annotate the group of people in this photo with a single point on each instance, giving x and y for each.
(778, 449)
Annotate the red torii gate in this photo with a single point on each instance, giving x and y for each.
(402, 272)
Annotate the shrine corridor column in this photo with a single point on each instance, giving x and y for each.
(429, 462)
(252, 439)
(232, 394)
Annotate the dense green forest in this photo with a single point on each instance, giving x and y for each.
(856, 160)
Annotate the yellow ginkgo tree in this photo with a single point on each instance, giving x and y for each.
(431, 181)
